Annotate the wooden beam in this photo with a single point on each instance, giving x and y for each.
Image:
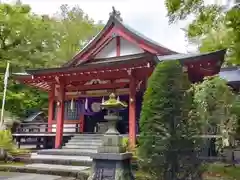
(103, 75)
(83, 76)
(98, 87)
(118, 46)
(60, 116)
(51, 96)
(132, 113)
(100, 70)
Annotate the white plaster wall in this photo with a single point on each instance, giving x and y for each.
(128, 48)
(72, 129)
(108, 51)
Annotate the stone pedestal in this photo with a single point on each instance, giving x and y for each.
(111, 166)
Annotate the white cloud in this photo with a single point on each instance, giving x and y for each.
(147, 17)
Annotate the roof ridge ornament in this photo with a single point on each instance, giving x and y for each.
(116, 14)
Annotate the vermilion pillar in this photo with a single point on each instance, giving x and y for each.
(132, 113)
(60, 116)
(81, 123)
(50, 108)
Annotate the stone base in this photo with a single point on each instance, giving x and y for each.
(111, 144)
(111, 166)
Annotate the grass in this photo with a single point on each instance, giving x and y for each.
(221, 172)
(214, 172)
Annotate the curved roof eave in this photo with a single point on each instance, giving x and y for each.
(185, 57)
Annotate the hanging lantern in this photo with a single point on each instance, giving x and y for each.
(103, 100)
(72, 105)
(86, 104)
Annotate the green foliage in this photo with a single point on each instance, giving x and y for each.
(75, 30)
(214, 26)
(7, 144)
(219, 171)
(6, 140)
(168, 123)
(180, 9)
(236, 110)
(28, 40)
(125, 143)
(216, 105)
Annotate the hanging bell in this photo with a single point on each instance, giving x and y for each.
(72, 105)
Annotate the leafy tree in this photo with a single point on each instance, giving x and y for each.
(215, 26)
(25, 41)
(168, 123)
(76, 29)
(28, 40)
(216, 104)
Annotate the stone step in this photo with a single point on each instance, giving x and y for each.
(77, 147)
(64, 152)
(80, 146)
(87, 137)
(61, 160)
(85, 143)
(85, 140)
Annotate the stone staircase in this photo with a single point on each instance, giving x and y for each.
(75, 153)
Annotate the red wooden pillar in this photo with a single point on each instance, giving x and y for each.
(81, 123)
(51, 95)
(60, 116)
(132, 113)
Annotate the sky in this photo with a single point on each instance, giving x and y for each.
(145, 16)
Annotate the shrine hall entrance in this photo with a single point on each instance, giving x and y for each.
(96, 124)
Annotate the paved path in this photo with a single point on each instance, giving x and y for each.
(23, 176)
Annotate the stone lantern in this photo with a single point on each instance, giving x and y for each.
(112, 162)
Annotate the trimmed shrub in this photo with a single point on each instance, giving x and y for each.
(168, 124)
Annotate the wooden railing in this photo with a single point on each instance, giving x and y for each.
(35, 128)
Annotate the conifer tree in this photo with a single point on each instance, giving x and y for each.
(167, 147)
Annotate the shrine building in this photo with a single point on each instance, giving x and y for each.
(118, 59)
